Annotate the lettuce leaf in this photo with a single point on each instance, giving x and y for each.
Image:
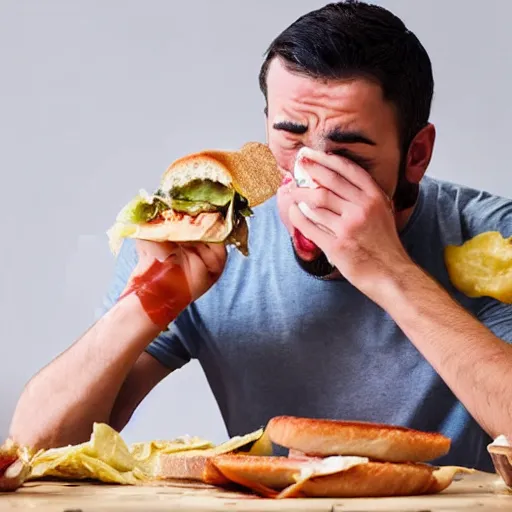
(239, 236)
(192, 199)
(142, 209)
(203, 191)
(193, 208)
(242, 206)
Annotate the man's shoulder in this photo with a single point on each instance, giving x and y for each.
(476, 210)
(460, 195)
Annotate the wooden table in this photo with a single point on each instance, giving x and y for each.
(480, 492)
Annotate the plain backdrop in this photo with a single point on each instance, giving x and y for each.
(97, 97)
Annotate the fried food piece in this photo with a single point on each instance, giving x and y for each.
(482, 266)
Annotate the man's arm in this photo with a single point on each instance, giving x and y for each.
(82, 386)
(105, 375)
(474, 363)
(361, 239)
(142, 378)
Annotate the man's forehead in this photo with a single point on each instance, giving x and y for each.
(355, 104)
(284, 83)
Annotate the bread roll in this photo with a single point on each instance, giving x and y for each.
(319, 437)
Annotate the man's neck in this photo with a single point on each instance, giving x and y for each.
(402, 218)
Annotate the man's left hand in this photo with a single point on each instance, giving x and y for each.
(353, 220)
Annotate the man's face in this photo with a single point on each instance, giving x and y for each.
(349, 118)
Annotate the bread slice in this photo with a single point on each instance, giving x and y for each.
(371, 479)
(197, 464)
(322, 437)
(205, 227)
(252, 171)
(190, 467)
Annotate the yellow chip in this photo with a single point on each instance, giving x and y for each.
(482, 266)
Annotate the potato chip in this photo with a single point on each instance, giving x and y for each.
(108, 446)
(146, 454)
(104, 472)
(482, 266)
(107, 458)
(104, 457)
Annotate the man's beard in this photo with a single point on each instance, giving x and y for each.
(406, 195)
(319, 267)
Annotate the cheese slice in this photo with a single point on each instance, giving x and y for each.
(329, 466)
(320, 467)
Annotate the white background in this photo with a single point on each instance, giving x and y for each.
(97, 97)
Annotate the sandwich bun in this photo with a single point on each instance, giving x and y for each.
(322, 437)
(252, 171)
(371, 479)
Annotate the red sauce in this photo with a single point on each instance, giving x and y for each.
(5, 462)
(304, 160)
(157, 220)
(287, 178)
(163, 291)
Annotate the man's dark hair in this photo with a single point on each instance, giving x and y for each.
(355, 39)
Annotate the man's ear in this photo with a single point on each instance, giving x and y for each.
(420, 154)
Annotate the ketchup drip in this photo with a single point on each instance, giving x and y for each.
(163, 292)
(5, 462)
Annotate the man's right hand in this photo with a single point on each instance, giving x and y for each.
(169, 276)
(202, 263)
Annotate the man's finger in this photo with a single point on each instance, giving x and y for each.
(324, 219)
(319, 198)
(212, 255)
(341, 166)
(332, 180)
(159, 250)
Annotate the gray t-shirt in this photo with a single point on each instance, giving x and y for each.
(273, 340)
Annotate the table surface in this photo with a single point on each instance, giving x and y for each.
(481, 491)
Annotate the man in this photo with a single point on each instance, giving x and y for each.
(349, 315)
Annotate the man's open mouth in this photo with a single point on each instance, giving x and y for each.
(311, 258)
(305, 248)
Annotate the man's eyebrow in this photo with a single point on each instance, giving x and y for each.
(291, 127)
(349, 137)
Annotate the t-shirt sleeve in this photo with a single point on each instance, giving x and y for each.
(483, 212)
(171, 348)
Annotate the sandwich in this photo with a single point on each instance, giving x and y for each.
(196, 465)
(331, 458)
(14, 466)
(202, 197)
